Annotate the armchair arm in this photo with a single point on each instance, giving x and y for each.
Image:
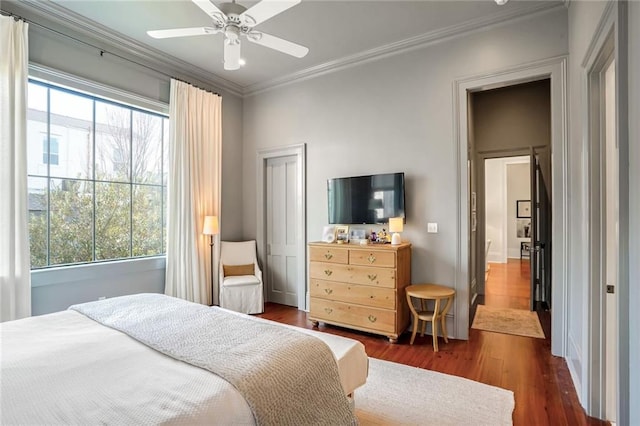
(258, 272)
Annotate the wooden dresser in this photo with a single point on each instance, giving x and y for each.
(360, 287)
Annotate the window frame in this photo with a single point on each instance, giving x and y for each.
(91, 179)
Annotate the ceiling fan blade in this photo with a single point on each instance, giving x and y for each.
(231, 54)
(211, 10)
(182, 32)
(265, 10)
(278, 43)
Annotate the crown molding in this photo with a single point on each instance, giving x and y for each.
(137, 52)
(105, 38)
(403, 46)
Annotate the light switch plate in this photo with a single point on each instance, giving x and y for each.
(432, 228)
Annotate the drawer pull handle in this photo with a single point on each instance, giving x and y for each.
(328, 290)
(328, 310)
(372, 318)
(328, 255)
(328, 272)
(372, 277)
(371, 258)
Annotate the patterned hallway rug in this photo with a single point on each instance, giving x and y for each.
(508, 321)
(397, 394)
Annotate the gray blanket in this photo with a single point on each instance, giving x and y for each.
(286, 377)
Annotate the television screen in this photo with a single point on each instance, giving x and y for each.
(366, 199)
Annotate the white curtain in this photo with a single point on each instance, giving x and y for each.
(193, 192)
(15, 276)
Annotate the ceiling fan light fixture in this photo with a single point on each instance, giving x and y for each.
(232, 33)
(501, 2)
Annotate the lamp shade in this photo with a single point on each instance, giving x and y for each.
(396, 224)
(211, 226)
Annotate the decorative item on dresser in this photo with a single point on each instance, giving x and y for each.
(360, 288)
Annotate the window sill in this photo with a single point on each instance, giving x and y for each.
(66, 274)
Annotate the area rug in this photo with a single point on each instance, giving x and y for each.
(509, 321)
(396, 394)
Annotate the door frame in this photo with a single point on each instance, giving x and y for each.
(300, 152)
(608, 43)
(556, 70)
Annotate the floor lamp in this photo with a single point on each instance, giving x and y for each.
(211, 228)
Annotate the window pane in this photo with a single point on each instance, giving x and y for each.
(37, 204)
(37, 139)
(71, 132)
(147, 220)
(113, 142)
(113, 221)
(147, 147)
(71, 221)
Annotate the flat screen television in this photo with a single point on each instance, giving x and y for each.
(369, 199)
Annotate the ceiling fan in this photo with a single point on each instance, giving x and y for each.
(234, 21)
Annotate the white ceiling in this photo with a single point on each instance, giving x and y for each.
(334, 31)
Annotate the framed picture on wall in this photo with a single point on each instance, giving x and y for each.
(523, 209)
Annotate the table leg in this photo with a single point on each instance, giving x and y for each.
(415, 329)
(423, 307)
(434, 324)
(444, 318)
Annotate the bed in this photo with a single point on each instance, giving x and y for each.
(73, 368)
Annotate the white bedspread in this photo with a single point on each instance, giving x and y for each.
(88, 367)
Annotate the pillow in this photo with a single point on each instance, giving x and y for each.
(235, 270)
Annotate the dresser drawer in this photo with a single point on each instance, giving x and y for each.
(329, 254)
(351, 293)
(372, 258)
(361, 316)
(379, 277)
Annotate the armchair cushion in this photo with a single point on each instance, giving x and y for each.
(240, 280)
(235, 270)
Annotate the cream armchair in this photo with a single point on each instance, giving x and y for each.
(241, 287)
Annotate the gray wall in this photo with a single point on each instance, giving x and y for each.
(512, 117)
(57, 288)
(391, 114)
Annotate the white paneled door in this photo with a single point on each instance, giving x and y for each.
(281, 229)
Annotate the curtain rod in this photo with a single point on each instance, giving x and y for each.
(100, 50)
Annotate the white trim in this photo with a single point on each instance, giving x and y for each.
(90, 271)
(403, 46)
(48, 74)
(609, 41)
(555, 69)
(300, 151)
(170, 65)
(110, 40)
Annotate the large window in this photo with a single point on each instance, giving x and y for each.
(97, 178)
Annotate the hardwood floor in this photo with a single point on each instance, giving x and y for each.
(541, 383)
(508, 284)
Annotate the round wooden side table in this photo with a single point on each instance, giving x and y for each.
(426, 292)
